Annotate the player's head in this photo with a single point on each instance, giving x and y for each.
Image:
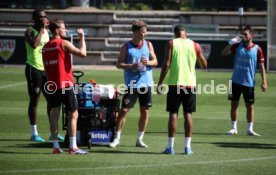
(139, 29)
(38, 14)
(248, 29)
(57, 27)
(247, 33)
(138, 25)
(39, 17)
(179, 30)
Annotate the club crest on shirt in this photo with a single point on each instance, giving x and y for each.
(7, 47)
(206, 50)
(126, 101)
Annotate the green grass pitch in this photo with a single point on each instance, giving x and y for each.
(214, 152)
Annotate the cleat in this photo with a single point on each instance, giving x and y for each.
(36, 138)
(232, 132)
(57, 151)
(77, 151)
(252, 133)
(140, 143)
(115, 143)
(59, 137)
(169, 151)
(188, 151)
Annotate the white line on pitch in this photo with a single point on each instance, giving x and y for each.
(12, 85)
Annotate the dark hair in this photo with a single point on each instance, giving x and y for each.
(178, 28)
(137, 25)
(55, 24)
(251, 30)
(36, 13)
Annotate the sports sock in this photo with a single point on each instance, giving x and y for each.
(34, 130)
(188, 142)
(234, 125)
(55, 144)
(73, 142)
(140, 135)
(170, 142)
(250, 126)
(118, 135)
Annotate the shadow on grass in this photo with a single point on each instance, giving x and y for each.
(23, 143)
(113, 151)
(245, 145)
(18, 152)
(12, 140)
(35, 145)
(216, 134)
(161, 132)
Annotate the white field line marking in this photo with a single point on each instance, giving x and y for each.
(12, 85)
(140, 166)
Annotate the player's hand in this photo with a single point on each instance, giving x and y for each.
(46, 23)
(264, 87)
(234, 40)
(144, 61)
(159, 88)
(80, 33)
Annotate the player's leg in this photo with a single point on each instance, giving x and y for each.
(188, 97)
(249, 98)
(173, 104)
(47, 90)
(145, 103)
(54, 102)
(34, 83)
(128, 101)
(69, 99)
(234, 96)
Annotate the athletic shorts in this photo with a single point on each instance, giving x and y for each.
(35, 79)
(131, 95)
(64, 96)
(185, 96)
(237, 90)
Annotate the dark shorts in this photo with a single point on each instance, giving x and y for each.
(131, 95)
(186, 97)
(66, 97)
(35, 79)
(237, 90)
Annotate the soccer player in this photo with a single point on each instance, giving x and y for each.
(182, 55)
(137, 58)
(58, 68)
(35, 38)
(247, 56)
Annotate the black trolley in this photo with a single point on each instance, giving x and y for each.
(97, 119)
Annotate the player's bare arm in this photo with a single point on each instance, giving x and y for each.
(263, 75)
(200, 58)
(32, 40)
(226, 51)
(166, 64)
(121, 60)
(152, 59)
(68, 46)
